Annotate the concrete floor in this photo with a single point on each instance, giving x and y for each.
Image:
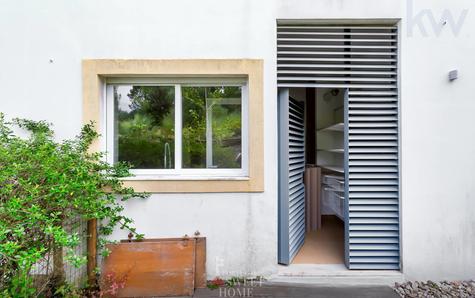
(299, 291)
(317, 271)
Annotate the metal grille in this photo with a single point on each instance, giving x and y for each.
(362, 59)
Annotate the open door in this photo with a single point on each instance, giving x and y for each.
(291, 170)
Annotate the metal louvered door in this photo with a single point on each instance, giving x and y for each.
(362, 59)
(291, 170)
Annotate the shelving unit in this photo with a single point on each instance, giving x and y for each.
(333, 195)
(333, 127)
(330, 144)
(332, 150)
(338, 169)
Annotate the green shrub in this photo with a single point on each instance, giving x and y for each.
(43, 184)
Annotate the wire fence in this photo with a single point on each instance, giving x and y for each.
(54, 266)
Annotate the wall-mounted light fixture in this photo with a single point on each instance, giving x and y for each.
(330, 94)
(453, 75)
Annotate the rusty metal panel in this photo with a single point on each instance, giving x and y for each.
(200, 263)
(153, 268)
(200, 258)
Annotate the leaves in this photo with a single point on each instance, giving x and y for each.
(46, 187)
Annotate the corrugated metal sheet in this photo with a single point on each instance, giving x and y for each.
(362, 59)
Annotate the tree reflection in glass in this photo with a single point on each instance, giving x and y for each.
(211, 127)
(145, 126)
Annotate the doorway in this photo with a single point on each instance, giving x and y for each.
(362, 59)
(314, 140)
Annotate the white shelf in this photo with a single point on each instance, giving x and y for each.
(338, 169)
(332, 150)
(339, 214)
(334, 127)
(334, 189)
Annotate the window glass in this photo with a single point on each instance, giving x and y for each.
(211, 127)
(145, 126)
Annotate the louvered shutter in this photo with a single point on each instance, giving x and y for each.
(362, 59)
(291, 187)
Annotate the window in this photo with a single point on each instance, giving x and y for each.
(99, 76)
(178, 127)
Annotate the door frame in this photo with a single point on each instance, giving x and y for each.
(283, 167)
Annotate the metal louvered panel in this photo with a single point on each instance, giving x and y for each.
(363, 60)
(291, 169)
(297, 211)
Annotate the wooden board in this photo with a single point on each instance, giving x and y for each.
(153, 268)
(319, 197)
(312, 180)
(313, 200)
(308, 196)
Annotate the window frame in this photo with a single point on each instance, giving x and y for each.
(180, 173)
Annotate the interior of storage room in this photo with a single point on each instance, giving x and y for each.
(324, 175)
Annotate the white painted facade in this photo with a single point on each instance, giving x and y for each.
(42, 44)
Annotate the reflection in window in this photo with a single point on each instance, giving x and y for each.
(145, 132)
(211, 127)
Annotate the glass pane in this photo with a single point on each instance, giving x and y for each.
(211, 127)
(145, 126)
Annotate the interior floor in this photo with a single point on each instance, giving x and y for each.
(325, 245)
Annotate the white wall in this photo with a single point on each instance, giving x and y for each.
(241, 228)
(438, 147)
(438, 143)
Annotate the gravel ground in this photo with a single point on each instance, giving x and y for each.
(436, 289)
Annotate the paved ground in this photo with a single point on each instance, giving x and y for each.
(299, 291)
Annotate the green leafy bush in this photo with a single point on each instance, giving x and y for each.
(43, 184)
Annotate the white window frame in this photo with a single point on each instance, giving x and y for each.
(179, 173)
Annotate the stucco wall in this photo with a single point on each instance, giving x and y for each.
(241, 228)
(438, 147)
(438, 144)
